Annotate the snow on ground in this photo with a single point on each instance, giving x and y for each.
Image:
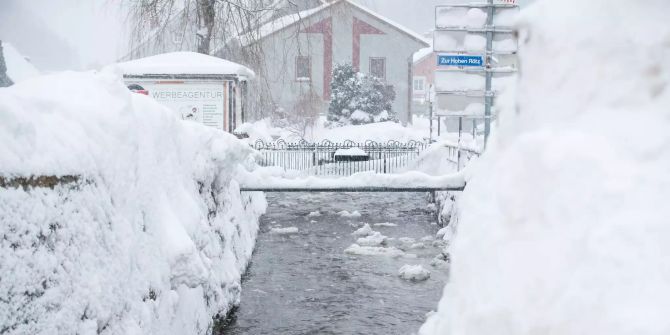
(380, 132)
(151, 239)
(363, 231)
(284, 231)
(413, 273)
(563, 226)
(373, 240)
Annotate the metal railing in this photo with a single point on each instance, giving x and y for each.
(459, 157)
(337, 159)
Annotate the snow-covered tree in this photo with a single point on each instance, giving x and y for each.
(358, 98)
(4, 80)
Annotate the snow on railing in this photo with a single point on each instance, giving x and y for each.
(339, 159)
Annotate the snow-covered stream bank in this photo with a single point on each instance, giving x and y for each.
(564, 224)
(151, 239)
(307, 277)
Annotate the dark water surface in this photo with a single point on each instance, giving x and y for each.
(305, 283)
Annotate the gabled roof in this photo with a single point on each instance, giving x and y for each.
(282, 23)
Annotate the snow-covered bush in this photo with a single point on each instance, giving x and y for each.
(358, 98)
(145, 232)
(563, 225)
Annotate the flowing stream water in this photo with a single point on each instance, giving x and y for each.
(305, 283)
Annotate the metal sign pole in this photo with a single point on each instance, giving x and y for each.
(489, 75)
(430, 113)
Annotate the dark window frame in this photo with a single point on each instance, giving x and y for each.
(298, 77)
(383, 60)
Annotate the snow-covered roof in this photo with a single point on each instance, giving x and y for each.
(18, 67)
(289, 20)
(184, 63)
(423, 53)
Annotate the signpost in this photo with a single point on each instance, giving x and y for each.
(473, 44)
(460, 60)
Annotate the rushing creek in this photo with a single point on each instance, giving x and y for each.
(304, 283)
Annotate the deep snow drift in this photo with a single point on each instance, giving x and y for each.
(153, 236)
(564, 223)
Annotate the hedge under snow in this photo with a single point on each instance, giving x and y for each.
(153, 236)
(564, 225)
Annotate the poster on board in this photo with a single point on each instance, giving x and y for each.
(196, 101)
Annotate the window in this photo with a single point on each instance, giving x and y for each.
(419, 84)
(303, 68)
(378, 67)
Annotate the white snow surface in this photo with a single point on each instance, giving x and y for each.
(372, 240)
(563, 226)
(18, 67)
(363, 231)
(379, 132)
(183, 62)
(275, 178)
(151, 240)
(413, 272)
(355, 151)
(460, 17)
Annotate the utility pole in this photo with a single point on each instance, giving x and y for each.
(488, 94)
(430, 113)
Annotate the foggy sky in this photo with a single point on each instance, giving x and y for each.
(85, 34)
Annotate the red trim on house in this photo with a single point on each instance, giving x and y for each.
(325, 27)
(361, 27)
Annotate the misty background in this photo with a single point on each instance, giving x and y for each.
(87, 34)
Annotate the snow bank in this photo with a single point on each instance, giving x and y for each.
(413, 273)
(564, 223)
(151, 234)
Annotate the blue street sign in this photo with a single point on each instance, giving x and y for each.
(460, 60)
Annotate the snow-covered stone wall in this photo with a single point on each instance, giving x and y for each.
(564, 224)
(151, 237)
